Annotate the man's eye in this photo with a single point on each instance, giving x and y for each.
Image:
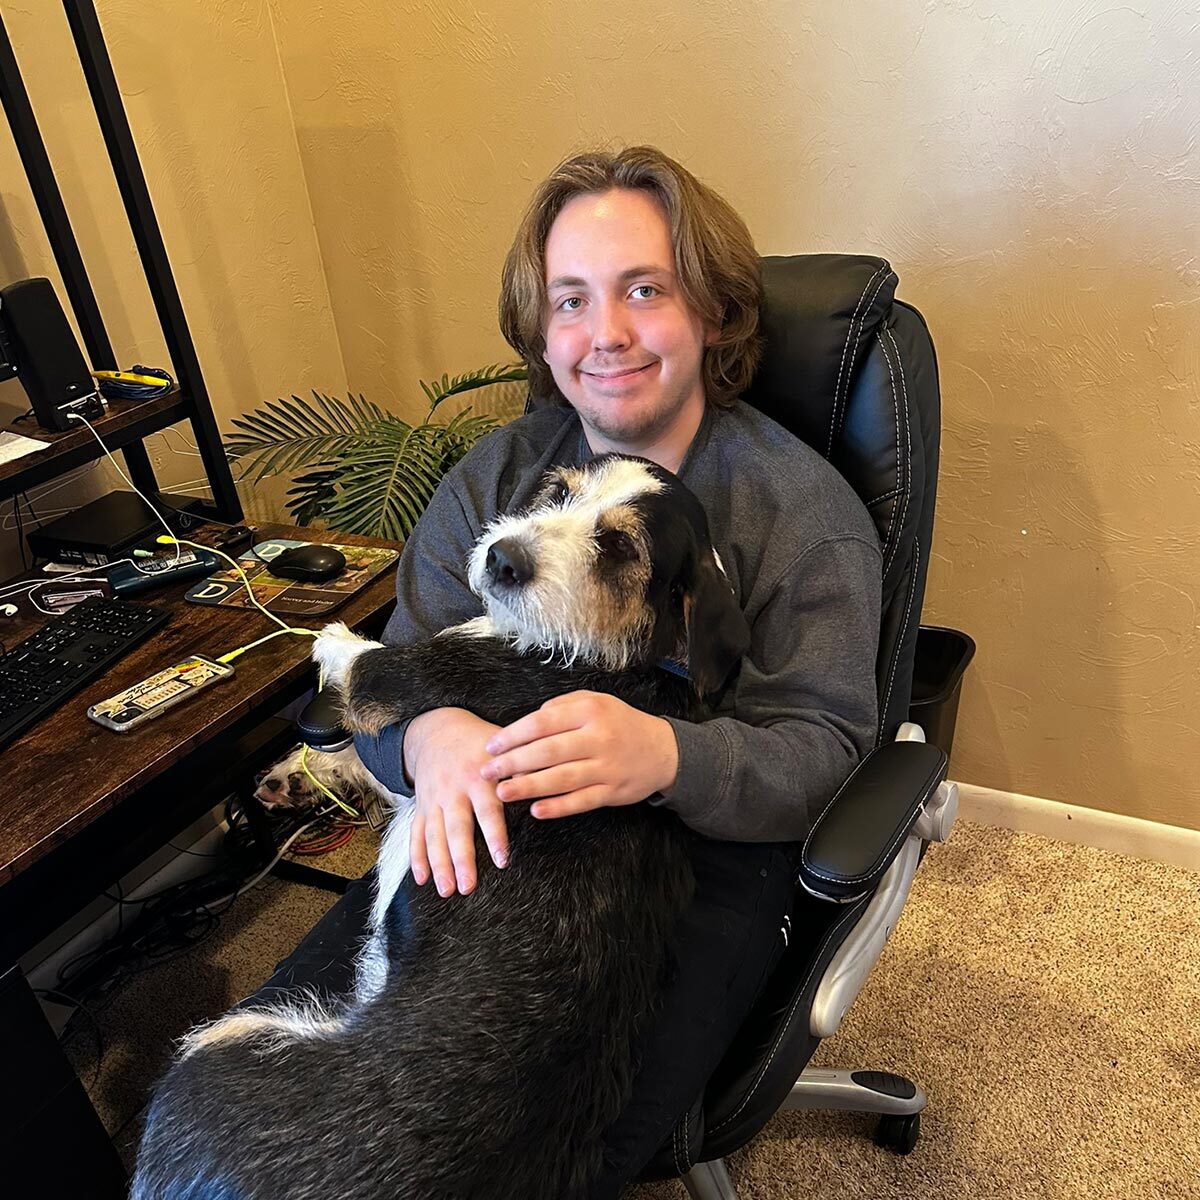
(569, 303)
(616, 546)
(646, 287)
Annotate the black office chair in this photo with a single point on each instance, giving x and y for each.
(852, 371)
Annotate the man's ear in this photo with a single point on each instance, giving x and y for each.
(717, 632)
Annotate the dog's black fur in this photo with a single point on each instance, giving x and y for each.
(505, 1040)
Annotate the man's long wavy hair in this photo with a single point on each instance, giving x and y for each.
(715, 261)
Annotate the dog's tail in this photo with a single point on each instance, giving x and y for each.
(270, 1029)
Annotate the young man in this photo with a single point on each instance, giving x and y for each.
(632, 292)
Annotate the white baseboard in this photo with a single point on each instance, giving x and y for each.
(1081, 826)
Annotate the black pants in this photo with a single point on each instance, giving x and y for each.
(725, 946)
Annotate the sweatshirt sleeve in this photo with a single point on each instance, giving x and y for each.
(803, 709)
(432, 593)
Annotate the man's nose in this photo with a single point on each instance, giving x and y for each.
(610, 328)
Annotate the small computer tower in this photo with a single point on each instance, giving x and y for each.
(109, 528)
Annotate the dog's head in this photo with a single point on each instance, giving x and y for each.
(612, 564)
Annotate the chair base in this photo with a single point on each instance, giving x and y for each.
(316, 877)
(710, 1181)
(856, 1091)
(850, 1091)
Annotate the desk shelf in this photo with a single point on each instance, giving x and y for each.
(127, 422)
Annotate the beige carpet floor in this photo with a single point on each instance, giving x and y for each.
(1046, 997)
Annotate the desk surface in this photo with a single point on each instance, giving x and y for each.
(67, 771)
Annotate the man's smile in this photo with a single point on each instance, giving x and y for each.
(617, 376)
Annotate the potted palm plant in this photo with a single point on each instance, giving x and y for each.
(365, 470)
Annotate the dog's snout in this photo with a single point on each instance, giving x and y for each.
(509, 563)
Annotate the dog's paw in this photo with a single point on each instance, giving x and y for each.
(336, 648)
(287, 785)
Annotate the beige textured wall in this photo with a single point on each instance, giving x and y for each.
(205, 95)
(1030, 169)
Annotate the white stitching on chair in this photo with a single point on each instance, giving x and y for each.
(900, 835)
(837, 391)
(908, 606)
(886, 496)
(916, 568)
(675, 1148)
(852, 336)
(907, 436)
(888, 553)
(783, 1028)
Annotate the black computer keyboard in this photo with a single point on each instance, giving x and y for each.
(38, 674)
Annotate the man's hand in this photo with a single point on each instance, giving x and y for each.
(444, 751)
(583, 750)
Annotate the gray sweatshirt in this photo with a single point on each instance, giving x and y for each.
(804, 559)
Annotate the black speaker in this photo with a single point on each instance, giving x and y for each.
(8, 363)
(49, 365)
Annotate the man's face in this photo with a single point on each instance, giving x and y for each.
(622, 343)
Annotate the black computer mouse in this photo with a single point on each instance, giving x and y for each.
(310, 564)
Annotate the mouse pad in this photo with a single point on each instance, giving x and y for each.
(291, 596)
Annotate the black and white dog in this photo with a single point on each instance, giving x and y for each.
(492, 1037)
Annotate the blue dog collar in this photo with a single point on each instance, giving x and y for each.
(675, 668)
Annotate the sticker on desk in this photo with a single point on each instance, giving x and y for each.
(291, 597)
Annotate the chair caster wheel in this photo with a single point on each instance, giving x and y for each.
(898, 1133)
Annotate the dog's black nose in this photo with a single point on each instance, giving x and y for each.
(508, 563)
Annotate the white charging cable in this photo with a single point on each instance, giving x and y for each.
(28, 587)
(74, 416)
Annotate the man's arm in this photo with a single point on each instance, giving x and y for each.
(803, 714)
(804, 707)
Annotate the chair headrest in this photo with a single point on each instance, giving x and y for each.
(819, 313)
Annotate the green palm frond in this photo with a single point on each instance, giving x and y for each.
(311, 493)
(285, 434)
(385, 484)
(442, 389)
(463, 430)
(369, 471)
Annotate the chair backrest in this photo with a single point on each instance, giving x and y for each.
(852, 371)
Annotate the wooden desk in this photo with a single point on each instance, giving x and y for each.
(81, 805)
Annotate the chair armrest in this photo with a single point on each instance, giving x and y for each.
(863, 827)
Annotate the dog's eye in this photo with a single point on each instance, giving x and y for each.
(616, 546)
(559, 491)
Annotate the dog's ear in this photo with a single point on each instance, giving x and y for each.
(717, 632)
